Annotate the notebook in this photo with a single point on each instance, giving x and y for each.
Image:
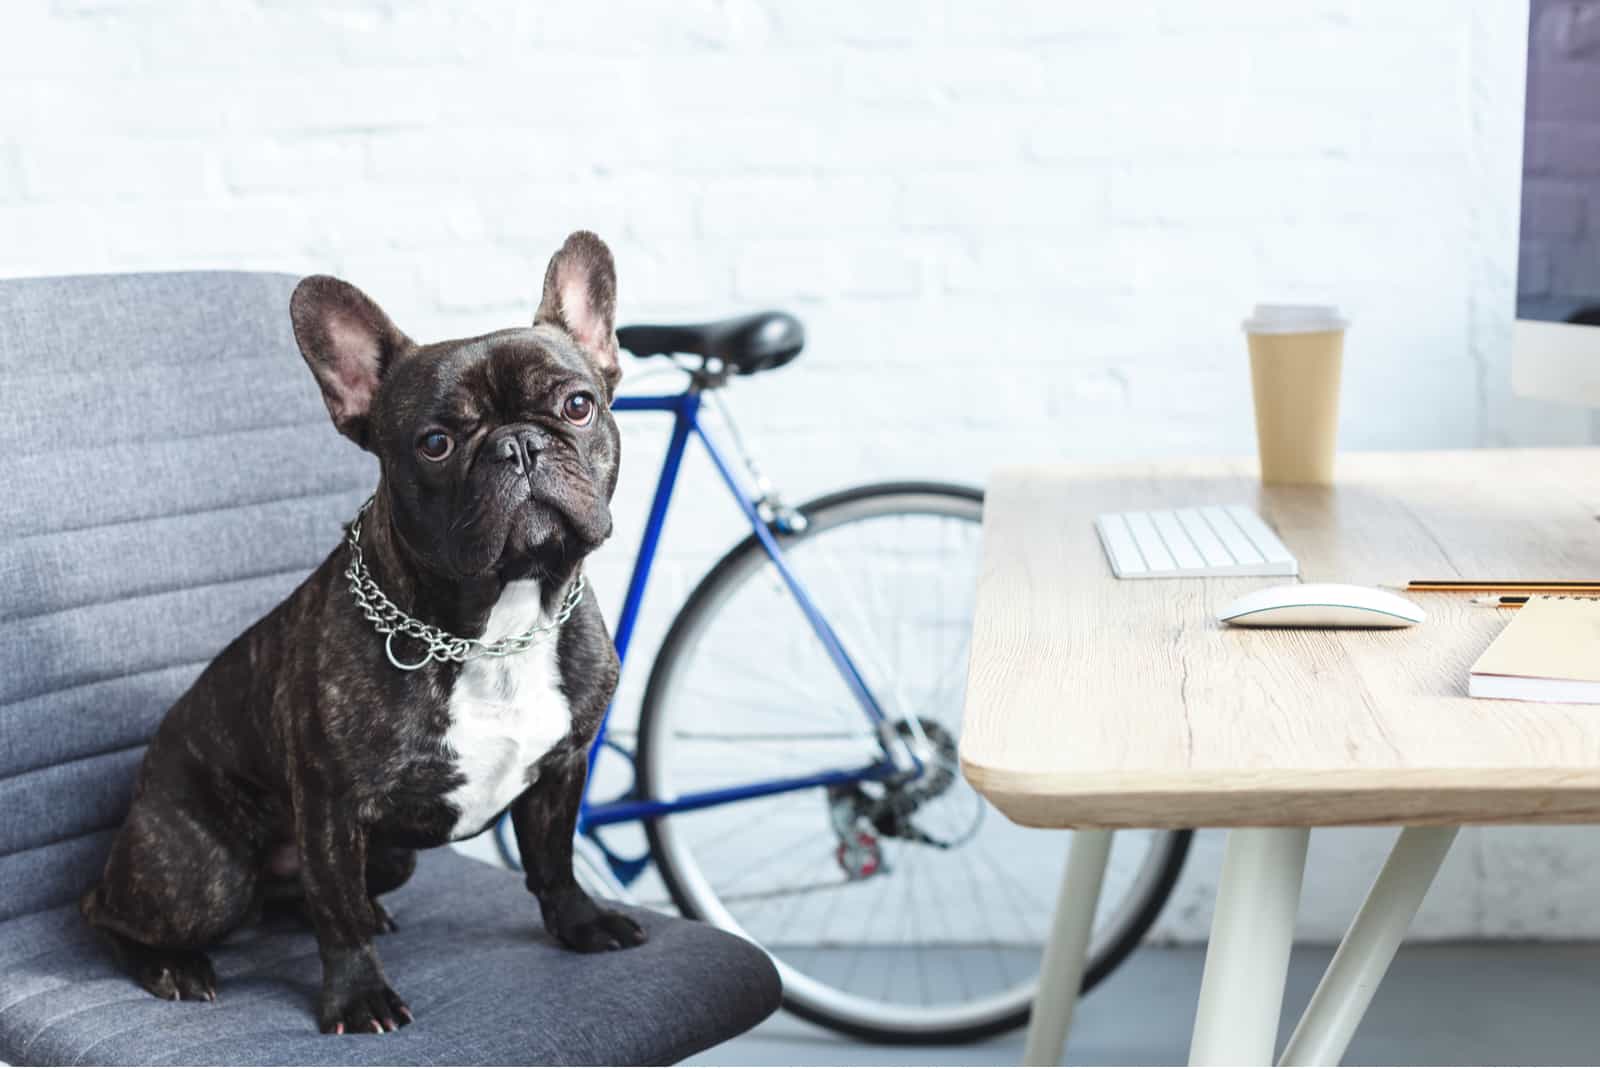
(1549, 652)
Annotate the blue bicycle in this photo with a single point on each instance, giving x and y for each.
(796, 768)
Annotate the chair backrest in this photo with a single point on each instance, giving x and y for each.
(167, 474)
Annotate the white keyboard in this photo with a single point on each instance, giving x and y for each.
(1193, 543)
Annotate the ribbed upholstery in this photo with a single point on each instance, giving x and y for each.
(487, 985)
(169, 473)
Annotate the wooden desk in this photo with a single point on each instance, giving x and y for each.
(1098, 703)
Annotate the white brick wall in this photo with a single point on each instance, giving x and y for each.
(1016, 230)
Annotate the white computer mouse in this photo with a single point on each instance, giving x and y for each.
(1325, 604)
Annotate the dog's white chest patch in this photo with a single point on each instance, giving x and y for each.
(505, 713)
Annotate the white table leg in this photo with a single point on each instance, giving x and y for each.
(1252, 932)
(1061, 971)
(1364, 955)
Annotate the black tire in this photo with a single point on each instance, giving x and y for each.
(1103, 962)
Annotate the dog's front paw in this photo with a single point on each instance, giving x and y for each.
(599, 931)
(367, 1009)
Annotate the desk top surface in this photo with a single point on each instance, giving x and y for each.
(1096, 702)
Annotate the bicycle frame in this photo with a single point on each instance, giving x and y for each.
(685, 410)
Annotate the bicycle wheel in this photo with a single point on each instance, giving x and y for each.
(912, 913)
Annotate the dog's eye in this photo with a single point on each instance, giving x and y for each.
(435, 445)
(578, 409)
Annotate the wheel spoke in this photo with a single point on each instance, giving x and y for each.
(861, 637)
(728, 738)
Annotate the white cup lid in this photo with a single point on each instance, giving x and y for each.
(1294, 319)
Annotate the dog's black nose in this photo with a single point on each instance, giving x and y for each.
(510, 449)
(519, 446)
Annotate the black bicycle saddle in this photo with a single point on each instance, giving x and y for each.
(746, 344)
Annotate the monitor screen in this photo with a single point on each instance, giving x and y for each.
(1557, 349)
(1558, 275)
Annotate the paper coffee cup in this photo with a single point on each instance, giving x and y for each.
(1295, 355)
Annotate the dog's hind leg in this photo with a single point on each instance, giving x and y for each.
(171, 887)
(173, 974)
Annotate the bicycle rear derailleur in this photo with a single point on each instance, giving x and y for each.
(865, 813)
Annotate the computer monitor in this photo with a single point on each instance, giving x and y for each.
(1556, 353)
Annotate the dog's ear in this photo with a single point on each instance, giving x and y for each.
(580, 297)
(349, 343)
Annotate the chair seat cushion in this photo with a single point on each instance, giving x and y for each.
(486, 983)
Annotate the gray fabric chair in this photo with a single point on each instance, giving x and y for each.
(167, 474)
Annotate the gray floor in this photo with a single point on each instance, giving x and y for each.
(1499, 1003)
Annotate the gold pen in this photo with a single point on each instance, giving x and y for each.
(1501, 586)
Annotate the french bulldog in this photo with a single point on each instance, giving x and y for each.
(314, 756)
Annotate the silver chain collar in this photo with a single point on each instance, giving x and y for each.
(388, 619)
